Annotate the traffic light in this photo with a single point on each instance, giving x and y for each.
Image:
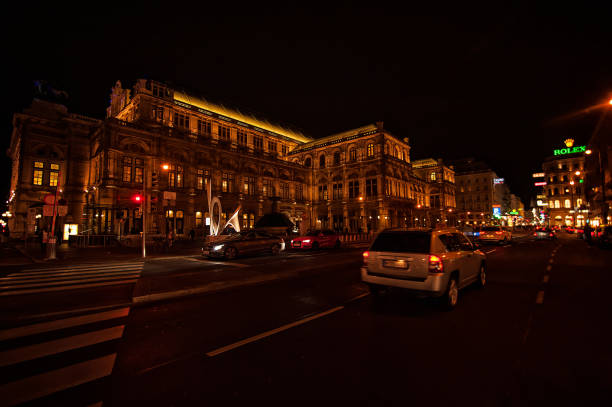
(154, 181)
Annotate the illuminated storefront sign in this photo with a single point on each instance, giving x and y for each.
(570, 150)
(538, 175)
(540, 184)
(498, 181)
(542, 203)
(513, 212)
(497, 211)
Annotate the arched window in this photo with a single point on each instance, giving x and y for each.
(556, 191)
(337, 158)
(353, 154)
(322, 161)
(307, 162)
(567, 203)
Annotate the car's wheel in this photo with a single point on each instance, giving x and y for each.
(275, 249)
(231, 252)
(315, 246)
(337, 244)
(482, 277)
(451, 296)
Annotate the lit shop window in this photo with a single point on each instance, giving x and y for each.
(202, 178)
(370, 150)
(198, 218)
(227, 179)
(53, 175)
(567, 203)
(38, 173)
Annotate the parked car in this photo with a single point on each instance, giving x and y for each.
(544, 233)
(494, 234)
(425, 262)
(316, 239)
(245, 243)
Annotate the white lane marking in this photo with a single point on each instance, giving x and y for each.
(271, 332)
(25, 276)
(62, 323)
(358, 297)
(540, 297)
(78, 267)
(548, 268)
(490, 251)
(66, 287)
(46, 283)
(47, 383)
(545, 279)
(40, 350)
(220, 263)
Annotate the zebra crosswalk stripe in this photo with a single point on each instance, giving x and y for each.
(65, 374)
(69, 278)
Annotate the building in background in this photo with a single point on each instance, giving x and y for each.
(162, 146)
(598, 166)
(441, 187)
(482, 196)
(565, 188)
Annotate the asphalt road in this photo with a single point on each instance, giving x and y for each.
(301, 329)
(535, 335)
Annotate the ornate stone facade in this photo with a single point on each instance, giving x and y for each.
(167, 144)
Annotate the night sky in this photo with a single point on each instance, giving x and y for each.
(489, 83)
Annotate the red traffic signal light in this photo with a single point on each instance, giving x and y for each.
(137, 198)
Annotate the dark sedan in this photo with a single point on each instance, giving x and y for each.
(244, 244)
(544, 233)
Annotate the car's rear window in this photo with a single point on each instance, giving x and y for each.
(402, 241)
(490, 228)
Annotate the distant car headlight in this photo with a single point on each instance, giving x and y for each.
(306, 241)
(217, 247)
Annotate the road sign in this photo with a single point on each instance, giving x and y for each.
(62, 210)
(49, 199)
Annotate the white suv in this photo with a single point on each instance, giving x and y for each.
(431, 262)
(495, 234)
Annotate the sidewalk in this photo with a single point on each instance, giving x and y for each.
(15, 254)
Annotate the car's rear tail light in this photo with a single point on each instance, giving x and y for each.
(365, 257)
(535, 233)
(498, 233)
(435, 264)
(551, 234)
